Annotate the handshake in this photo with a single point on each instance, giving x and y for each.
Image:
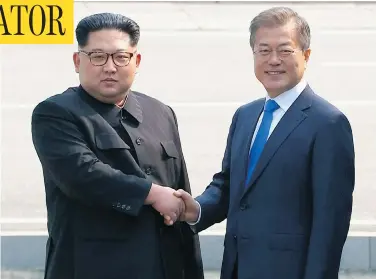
(173, 205)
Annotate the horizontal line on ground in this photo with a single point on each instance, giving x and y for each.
(42, 220)
(204, 233)
(361, 234)
(23, 220)
(349, 64)
(349, 31)
(23, 233)
(210, 104)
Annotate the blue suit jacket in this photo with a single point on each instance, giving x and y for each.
(292, 220)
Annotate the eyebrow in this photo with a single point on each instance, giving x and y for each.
(283, 44)
(99, 49)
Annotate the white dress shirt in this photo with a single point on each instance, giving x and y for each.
(284, 100)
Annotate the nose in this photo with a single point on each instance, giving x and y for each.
(110, 66)
(274, 59)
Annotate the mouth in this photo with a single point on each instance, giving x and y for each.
(274, 73)
(109, 80)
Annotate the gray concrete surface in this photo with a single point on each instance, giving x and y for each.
(22, 252)
(196, 58)
(208, 275)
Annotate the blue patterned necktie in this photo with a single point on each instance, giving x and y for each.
(261, 137)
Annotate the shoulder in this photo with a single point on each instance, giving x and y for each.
(147, 100)
(252, 105)
(326, 112)
(326, 118)
(152, 104)
(58, 103)
(67, 95)
(246, 109)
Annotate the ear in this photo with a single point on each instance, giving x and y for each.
(306, 54)
(138, 60)
(76, 61)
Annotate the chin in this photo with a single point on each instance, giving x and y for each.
(275, 85)
(276, 89)
(109, 94)
(109, 90)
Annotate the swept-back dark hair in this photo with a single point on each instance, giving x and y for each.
(102, 21)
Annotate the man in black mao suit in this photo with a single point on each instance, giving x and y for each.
(288, 172)
(111, 160)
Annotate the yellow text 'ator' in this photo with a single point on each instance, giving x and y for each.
(36, 22)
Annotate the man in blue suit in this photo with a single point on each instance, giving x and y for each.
(287, 175)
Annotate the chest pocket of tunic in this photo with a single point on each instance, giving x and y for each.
(170, 173)
(109, 146)
(110, 141)
(169, 150)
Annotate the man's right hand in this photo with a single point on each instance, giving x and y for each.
(165, 202)
(192, 208)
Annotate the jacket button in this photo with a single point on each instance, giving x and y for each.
(138, 141)
(243, 207)
(148, 171)
(234, 236)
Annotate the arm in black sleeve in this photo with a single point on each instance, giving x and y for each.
(67, 159)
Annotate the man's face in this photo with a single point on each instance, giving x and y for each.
(111, 81)
(279, 60)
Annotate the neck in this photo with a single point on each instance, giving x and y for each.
(273, 94)
(122, 102)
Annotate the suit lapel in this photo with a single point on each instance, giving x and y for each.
(292, 119)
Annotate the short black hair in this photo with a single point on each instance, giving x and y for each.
(102, 21)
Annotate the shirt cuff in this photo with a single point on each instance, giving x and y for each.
(199, 216)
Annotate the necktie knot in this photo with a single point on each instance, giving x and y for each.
(271, 106)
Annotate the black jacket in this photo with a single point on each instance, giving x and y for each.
(98, 164)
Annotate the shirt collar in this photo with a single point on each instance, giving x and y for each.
(133, 107)
(287, 98)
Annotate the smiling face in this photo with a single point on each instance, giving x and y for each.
(279, 61)
(107, 81)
